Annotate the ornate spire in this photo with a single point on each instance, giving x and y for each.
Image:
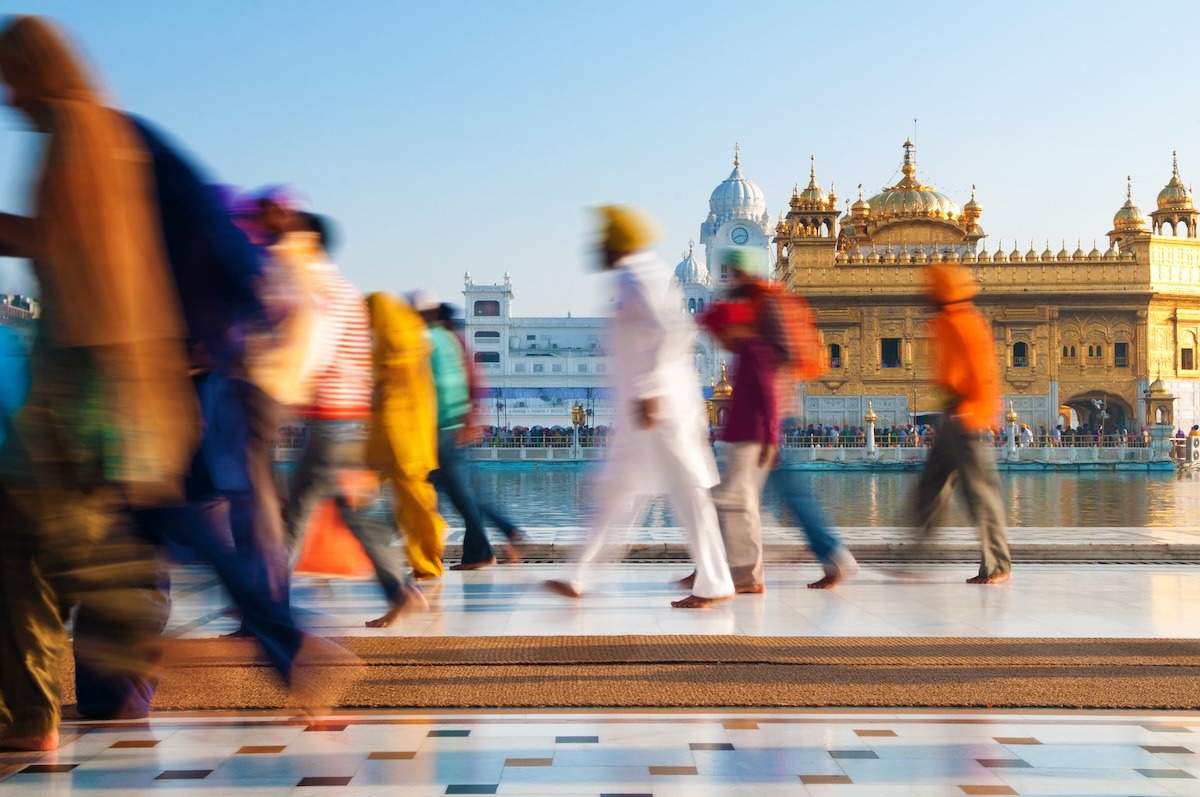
(737, 156)
(812, 171)
(1129, 188)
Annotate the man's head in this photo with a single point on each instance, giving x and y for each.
(624, 230)
(427, 304)
(729, 322)
(949, 283)
(281, 209)
(747, 264)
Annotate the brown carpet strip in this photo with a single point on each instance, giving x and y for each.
(707, 671)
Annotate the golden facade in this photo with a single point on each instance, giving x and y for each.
(1077, 333)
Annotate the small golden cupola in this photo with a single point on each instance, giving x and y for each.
(1176, 207)
(812, 197)
(1129, 217)
(972, 211)
(1128, 222)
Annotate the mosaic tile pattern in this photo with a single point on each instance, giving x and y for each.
(663, 754)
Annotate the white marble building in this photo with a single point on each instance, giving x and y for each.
(537, 368)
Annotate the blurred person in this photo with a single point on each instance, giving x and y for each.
(110, 422)
(14, 379)
(457, 429)
(660, 445)
(967, 373)
(218, 274)
(335, 446)
(775, 326)
(403, 436)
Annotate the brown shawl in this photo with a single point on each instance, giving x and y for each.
(108, 297)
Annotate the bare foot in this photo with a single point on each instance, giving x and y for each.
(563, 588)
(474, 565)
(687, 582)
(30, 744)
(829, 581)
(994, 578)
(417, 575)
(410, 600)
(749, 589)
(696, 602)
(515, 547)
(321, 672)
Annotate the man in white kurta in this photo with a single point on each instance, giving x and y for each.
(661, 441)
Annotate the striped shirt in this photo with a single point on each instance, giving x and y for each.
(342, 385)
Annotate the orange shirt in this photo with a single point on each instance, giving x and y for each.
(966, 364)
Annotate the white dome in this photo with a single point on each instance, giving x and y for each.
(691, 271)
(737, 196)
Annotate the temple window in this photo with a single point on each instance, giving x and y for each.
(889, 353)
(487, 356)
(691, 305)
(1187, 359)
(1020, 355)
(488, 307)
(1121, 355)
(486, 334)
(835, 355)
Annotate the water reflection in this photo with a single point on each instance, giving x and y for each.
(556, 495)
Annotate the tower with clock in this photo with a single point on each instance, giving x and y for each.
(737, 216)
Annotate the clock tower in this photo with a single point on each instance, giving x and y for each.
(737, 216)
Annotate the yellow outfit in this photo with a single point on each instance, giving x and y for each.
(402, 443)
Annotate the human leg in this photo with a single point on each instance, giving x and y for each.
(420, 523)
(453, 479)
(836, 560)
(738, 500)
(981, 486)
(255, 517)
(32, 636)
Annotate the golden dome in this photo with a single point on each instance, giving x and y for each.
(1158, 387)
(909, 198)
(723, 389)
(1129, 217)
(1095, 253)
(861, 208)
(999, 257)
(812, 197)
(1175, 195)
(972, 210)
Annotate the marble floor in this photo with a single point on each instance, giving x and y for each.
(667, 753)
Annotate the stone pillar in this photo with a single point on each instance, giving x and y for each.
(869, 419)
(1010, 418)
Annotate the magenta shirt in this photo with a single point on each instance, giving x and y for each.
(754, 411)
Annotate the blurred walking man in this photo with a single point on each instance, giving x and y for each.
(661, 445)
(967, 373)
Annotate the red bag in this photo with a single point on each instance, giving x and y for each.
(329, 548)
(787, 321)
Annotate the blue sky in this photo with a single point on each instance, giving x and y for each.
(476, 134)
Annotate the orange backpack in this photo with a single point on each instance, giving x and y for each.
(790, 325)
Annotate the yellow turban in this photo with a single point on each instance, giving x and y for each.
(626, 229)
(947, 283)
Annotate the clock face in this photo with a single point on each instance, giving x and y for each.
(740, 235)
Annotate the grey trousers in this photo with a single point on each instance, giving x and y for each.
(959, 456)
(330, 447)
(739, 500)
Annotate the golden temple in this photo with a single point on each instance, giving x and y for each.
(1077, 333)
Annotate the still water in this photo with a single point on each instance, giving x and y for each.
(544, 495)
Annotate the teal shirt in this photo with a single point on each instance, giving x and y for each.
(450, 378)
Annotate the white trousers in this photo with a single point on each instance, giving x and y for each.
(693, 507)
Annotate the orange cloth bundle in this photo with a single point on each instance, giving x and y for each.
(329, 548)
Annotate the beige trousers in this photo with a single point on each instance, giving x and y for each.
(739, 499)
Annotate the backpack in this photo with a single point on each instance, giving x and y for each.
(786, 320)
